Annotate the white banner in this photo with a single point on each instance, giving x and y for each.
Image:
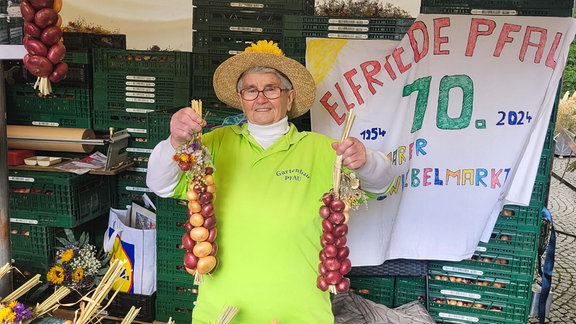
(461, 105)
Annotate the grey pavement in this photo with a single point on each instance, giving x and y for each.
(562, 206)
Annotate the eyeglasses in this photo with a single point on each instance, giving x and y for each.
(270, 92)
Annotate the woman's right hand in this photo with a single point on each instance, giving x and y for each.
(183, 125)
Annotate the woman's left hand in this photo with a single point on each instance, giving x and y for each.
(353, 152)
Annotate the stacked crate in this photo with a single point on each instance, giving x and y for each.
(298, 28)
(175, 291)
(42, 204)
(557, 8)
(224, 28)
(137, 91)
(495, 285)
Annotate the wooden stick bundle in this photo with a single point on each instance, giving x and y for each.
(227, 315)
(336, 173)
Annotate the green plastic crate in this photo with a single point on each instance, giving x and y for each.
(506, 310)
(58, 199)
(231, 19)
(500, 4)
(78, 57)
(409, 289)
(175, 64)
(133, 93)
(479, 271)
(63, 102)
(33, 240)
(303, 34)
(377, 289)
(179, 309)
(501, 285)
(304, 7)
(213, 42)
(178, 289)
(348, 24)
(133, 122)
(76, 41)
(206, 64)
(47, 119)
(554, 12)
(522, 218)
(511, 239)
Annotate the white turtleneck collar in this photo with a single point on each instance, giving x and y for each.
(266, 135)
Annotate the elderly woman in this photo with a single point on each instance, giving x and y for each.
(270, 178)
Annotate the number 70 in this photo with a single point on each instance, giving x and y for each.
(448, 82)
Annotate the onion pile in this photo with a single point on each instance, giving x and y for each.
(334, 261)
(199, 239)
(43, 42)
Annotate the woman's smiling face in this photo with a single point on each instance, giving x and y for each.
(262, 110)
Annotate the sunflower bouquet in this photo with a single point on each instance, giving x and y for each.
(77, 265)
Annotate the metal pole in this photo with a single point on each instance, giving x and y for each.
(5, 248)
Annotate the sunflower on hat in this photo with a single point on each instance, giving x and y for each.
(267, 54)
(263, 46)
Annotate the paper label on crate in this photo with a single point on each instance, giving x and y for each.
(42, 123)
(141, 89)
(348, 29)
(349, 21)
(141, 189)
(463, 270)
(137, 130)
(481, 249)
(141, 77)
(140, 84)
(459, 317)
(351, 36)
(460, 294)
(139, 110)
(143, 170)
(234, 52)
(21, 179)
(494, 12)
(24, 221)
(138, 150)
(141, 100)
(247, 29)
(140, 94)
(247, 5)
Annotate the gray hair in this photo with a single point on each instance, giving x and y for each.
(286, 84)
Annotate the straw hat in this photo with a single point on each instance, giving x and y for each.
(266, 54)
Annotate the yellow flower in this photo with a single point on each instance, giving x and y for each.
(263, 46)
(67, 255)
(7, 315)
(78, 274)
(55, 275)
(184, 158)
